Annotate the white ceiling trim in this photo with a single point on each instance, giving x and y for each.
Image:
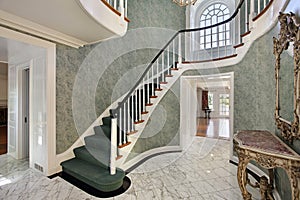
(35, 29)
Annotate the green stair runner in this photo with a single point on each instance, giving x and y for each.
(91, 162)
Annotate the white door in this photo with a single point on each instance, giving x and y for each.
(12, 110)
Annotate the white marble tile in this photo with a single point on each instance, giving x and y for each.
(202, 172)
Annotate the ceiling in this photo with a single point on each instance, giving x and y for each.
(60, 20)
(214, 82)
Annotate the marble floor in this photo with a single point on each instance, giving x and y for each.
(202, 172)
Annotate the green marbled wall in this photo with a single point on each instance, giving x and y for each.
(142, 13)
(254, 100)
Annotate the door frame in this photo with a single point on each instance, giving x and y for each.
(50, 165)
(186, 100)
(22, 145)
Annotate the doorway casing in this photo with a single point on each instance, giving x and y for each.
(42, 143)
(188, 108)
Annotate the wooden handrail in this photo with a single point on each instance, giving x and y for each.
(114, 10)
(114, 111)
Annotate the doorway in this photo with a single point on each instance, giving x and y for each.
(25, 89)
(219, 89)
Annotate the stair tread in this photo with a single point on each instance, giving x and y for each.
(103, 130)
(84, 154)
(96, 176)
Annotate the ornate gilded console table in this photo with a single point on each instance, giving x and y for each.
(270, 152)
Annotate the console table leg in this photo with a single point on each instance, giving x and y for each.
(242, 178)
(295, 178)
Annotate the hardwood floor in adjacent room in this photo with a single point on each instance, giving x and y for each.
(214, 127)
(3, 139)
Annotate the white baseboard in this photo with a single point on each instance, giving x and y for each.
(148, 154)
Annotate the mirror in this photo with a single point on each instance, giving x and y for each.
(287, 77)
(286, 83)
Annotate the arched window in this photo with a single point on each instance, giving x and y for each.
(217, 36)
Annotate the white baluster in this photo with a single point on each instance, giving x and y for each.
(252, 13)
(121, 8)
(140, 104)
(124, 133)
(163, 67)
(136, 106)
(157, 75)
(218, 45)
(211, 43)
(174, 54)
(246, 16)
(168, 61)
(124, 121)
(113, 147)
(120, 127)
(148, 87)
(225, 39)
(128, 115)
(115, 4)
(153, 92)
(144, 95)
(258, 6)
(265, 4)
(125, 12)
(132, 111)
(179, 49)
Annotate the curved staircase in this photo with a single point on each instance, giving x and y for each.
(95, 163)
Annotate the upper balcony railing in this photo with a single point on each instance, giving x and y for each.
(117, 6)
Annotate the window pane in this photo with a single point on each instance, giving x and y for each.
(208, 46)
(223, 7)
(215, 44)
(220, 19)
(221, 43)
(202, 33)
(211, 7)
(214, 19)
(202, 46)
(208, 31)
(214, 37)
(214, 30)
(201, 40)
(221, 28)
(227, 35)
(208, 39)
(210, 100)
(202, 24)
(221, 36)
(227, 26)
(224, 104)
(226, 11)
(207, 23)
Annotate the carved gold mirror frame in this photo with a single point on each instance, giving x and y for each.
(289, 33)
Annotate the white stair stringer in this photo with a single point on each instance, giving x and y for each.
(125, 151)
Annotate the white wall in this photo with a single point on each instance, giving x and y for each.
(25, 51)
(188, 110)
